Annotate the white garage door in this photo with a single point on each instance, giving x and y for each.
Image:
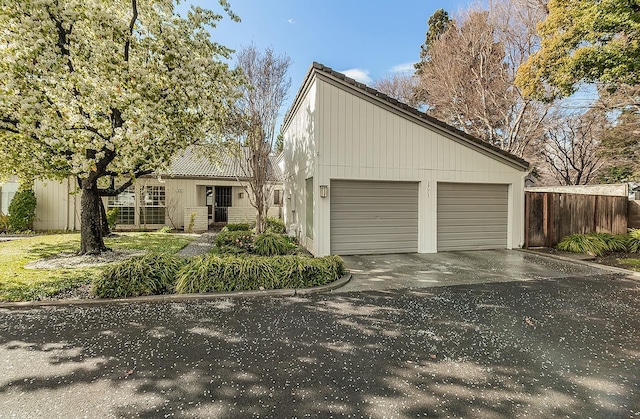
(472, 216)
(373, 217)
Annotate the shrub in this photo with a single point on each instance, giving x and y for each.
(228, 250)
(4, 222)
(112, 217)
(213, 273)
(271, 244)
(140, 275)
(22, 210)
(165, 229)
(192, 222)
(276, 225)
(242, 239)
(238, 227)
(633, 241)
(594, 244)
(615, 243)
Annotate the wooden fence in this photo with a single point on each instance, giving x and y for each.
(634, 214)
(549, 217)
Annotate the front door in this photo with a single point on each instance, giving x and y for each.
(223, 201)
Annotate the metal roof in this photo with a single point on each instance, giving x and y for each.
(224, 162)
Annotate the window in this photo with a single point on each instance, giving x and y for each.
(309, 213)
(126, 204)
(152, 207)
(277, 197)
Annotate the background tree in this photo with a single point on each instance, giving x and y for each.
(264, 94)
(620, 147)
(106, 92)
(570, 148)
(437, 24)
(584, 41)
(468, 79)
(399, 86)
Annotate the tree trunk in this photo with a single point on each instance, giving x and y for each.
(103, 220)
(91, 241)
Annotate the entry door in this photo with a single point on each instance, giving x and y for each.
(223, 201)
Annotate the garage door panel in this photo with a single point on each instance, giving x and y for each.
(485, 228)
(385, 230)
(472, 216)
(367, 192)
(372, 206)
(361, 222)
(373, 217)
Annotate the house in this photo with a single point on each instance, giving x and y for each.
(194, 192)
(364, 174)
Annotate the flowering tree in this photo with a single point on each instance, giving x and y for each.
(106, 90)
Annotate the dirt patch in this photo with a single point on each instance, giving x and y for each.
(72, 260)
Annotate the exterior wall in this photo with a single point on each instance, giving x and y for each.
(615, 189)
(7, 192)
(349, 137)
(300, 164)
(57, 205)
(200, 219)
(181, 193)
(248, 214)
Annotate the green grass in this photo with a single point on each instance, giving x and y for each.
(632, 264)
(20, 284)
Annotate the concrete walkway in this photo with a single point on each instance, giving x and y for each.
(413, 270)
(199, 246)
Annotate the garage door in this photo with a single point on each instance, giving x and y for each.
(472, 216)
(373, 217)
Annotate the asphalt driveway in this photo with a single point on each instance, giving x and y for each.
(413, 270)
(536, 349)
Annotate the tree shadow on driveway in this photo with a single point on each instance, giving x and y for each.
(519, 349)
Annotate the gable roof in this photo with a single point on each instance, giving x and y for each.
(412, 113)
(227, 164)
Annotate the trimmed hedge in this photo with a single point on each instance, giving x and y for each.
(22, 210)
(213, 273)
(150, 274)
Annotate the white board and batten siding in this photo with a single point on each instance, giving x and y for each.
(350, 136)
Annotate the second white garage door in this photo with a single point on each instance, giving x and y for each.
(472, 216)
(373, 217)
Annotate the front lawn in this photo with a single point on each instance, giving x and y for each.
(20, 284)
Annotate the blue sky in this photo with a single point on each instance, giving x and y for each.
(366, 40)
